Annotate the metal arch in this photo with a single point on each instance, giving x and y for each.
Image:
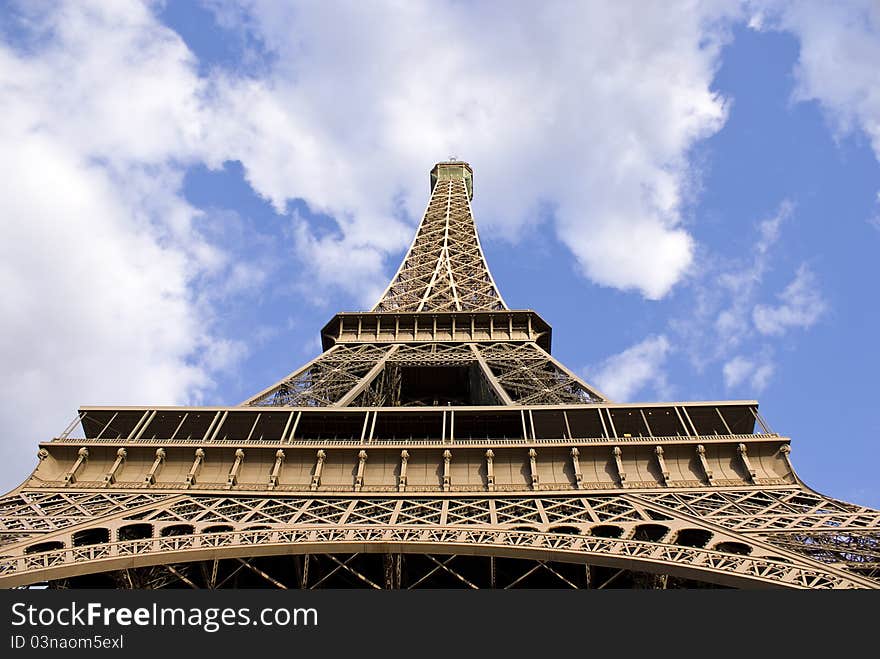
(789, 522)
(719, 512)
(393, 572)
(465, 526)
(655, 558)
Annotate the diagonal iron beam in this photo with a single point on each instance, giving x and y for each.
(332, 572)
(230, 575)
(265, 393)
(181, 576)
(532, 570)
(559, 576)
(365, 381)
(261, 573)
(428, 575)
(490, 377)
(354, 572)
(612, 578)
(452, 572)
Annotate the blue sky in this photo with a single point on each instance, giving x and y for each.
(689, 194)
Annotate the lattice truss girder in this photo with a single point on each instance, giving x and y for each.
(363, 375)
(769, 510)
(530, 376)
(325, 380)
(444, 269)
(806, 539)
(857, 551)
(41, 512)
(801, 521)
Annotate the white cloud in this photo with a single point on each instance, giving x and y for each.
(736, 371)
(99, 253)
(720, 321)
(740, 370)
(802, 306)
(591, 106)
(769, 230)
(742, 284)
(728, 327)
(727, 323)
(837, 63)
(874, 220)
(761, 377)
(625, 374)
(355, 268)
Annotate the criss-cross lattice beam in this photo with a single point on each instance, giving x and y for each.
(530, 376)
(444, 269)
(28, 514)
(855, 551)
(517, 373)
(825, 530)
(768, 510)
(325, 380)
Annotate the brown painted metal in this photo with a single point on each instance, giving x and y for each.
(435, 441)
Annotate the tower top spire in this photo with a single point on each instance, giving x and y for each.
(453, 170)
(444, 269)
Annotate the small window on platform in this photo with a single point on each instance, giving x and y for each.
(217, 528)
(408, 425)
(664, 422)
(707, 421)
(549, 424)
(91, 537)
(41, 547)
(237, 425)
(733, 548)
(585, 423)
(606, 531)
(628, 422)
(330, 425)
(650, 532)
(693, 537)
(177, 529)
(136, 532)
(487, 425)
(270, 426)
(739, 418)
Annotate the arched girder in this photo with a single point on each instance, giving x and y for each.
(652, 557)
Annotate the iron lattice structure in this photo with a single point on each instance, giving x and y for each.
(435, 442)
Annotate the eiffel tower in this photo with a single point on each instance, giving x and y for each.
(435, 442)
